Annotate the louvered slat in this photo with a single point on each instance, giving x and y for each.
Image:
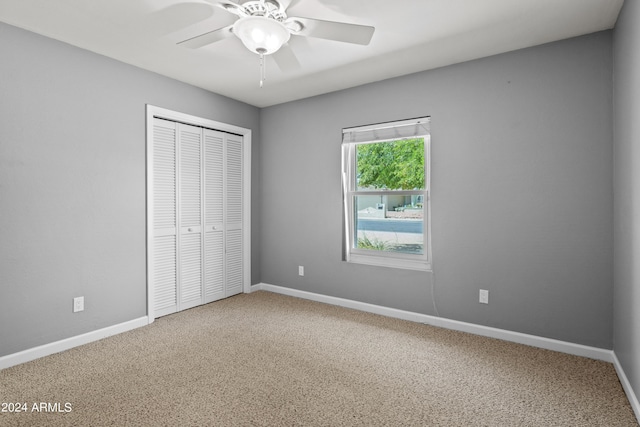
(164, 273)
(234, 181)
(164, 178)
(234, 267)
(190, 268)
(214, 272)
(190, 186)
(214, 187)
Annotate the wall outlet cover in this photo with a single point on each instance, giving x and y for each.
(78, 304)
(484, 296)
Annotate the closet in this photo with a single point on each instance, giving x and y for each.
(196, 215)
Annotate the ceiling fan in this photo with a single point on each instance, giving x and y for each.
(264, 28)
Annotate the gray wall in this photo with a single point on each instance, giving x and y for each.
(521, 191)
(522, 200)
(72, 185)
(627, 192)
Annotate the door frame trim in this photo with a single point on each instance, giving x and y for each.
(152, 112)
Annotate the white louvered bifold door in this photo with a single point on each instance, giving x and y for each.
(190, 216)
(196, 216)
(163, 252)
(234, 215)
(214, 215)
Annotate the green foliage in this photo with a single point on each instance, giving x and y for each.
(393, 165)
(365, 243)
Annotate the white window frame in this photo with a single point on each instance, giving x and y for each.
(383, 132)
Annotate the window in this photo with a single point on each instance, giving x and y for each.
(385, 177)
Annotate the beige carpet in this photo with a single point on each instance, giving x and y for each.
(269, 360)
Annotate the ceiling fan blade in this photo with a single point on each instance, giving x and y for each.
(231, 7)
(331, 30)
(176, 17)
(207, 38)
(286, 59)
(286, 4)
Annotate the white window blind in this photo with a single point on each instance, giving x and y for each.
(386, 131)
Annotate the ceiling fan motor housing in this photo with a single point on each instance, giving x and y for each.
(268, 8)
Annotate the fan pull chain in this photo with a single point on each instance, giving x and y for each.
(263, 70)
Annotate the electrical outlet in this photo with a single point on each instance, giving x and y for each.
(484, 296)
(300, 270)
(78, 304)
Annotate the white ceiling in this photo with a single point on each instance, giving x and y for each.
(410, 36)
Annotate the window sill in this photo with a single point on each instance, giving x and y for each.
(386, 261)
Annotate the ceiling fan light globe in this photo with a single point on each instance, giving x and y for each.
(257, 36)
(261, 35)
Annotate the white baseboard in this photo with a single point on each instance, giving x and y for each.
(68, 343)
(626, 385)
(532, 340)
